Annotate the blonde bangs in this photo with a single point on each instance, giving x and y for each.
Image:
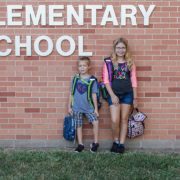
(127, 57)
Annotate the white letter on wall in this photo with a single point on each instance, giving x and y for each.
(81, 47)
(72, 13)
(53, 15)
(41, 13)
(109, 11)
(49, 43)
(147, 13)
(8, 40)
(93, 9)
(124, 15)
(26, 45)
(11, 15)
(59, 45)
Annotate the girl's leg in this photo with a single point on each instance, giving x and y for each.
(125, 110)
(115, 118)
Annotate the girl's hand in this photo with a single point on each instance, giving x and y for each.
(115, 100)
(135, 103)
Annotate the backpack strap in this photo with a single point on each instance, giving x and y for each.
(75, 79)
(92, 80)
(89, 85)
(110, 68)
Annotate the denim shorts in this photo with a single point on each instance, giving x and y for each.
(78, 116)
(124, 98)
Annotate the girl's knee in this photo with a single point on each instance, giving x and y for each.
(124, 121)
(115, 121)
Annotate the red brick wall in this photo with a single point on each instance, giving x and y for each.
(34, 90)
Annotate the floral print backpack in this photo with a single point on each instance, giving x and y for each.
(136, 123)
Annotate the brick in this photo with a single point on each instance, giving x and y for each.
(144, 78)
(48, 110)
(39, 84)
(24, 126)
(16, 121)
(15, 78)
(47, 100)
(6, 137)
(3, 99)
(39, 137)
(63, 79)
(40, 126)
(31, 57)
(2, 116)
(31, 79)
(29, 68)
(174, 132)
(144, 68)
(53, 137)
(8, 126)
(23, 137)
(32, 110)
(35, 116)
(174, 89)
(155, 94)
(23, 94)
(7, 84)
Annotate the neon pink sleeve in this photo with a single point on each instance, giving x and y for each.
(105, 74)
(133, 76)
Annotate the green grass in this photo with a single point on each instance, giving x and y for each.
(55, 164)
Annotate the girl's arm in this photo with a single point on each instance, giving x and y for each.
(134, 84)
(109, 89)
(135, 97)
(133, 76)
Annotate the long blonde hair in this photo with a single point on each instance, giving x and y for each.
(127, 56)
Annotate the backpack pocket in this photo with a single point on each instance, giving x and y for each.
(69, 130)
(103, 91)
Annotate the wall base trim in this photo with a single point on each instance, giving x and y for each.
(104, 144)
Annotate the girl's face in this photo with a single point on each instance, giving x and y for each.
(83, 67)
(120, 49)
